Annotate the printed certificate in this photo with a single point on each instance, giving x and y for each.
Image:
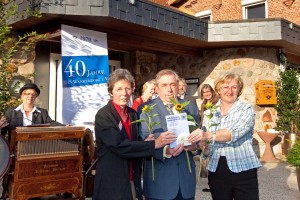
(179, 125)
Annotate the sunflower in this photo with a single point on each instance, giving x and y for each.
(208, 105)
(179, 107)
(145, 108)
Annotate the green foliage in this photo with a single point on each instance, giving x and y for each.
(288, 89)
(148, 120)
(293, 157)
(10, 46)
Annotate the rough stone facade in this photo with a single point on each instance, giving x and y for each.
(251, 63)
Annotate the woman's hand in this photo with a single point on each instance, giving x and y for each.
(196, 136)
(3, 122)
(204, 146)
(150, 137)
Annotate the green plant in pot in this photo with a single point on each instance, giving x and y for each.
(13, 48)
(288, 89)
(293, 158)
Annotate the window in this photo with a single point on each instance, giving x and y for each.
(253, 9)
(204, 15)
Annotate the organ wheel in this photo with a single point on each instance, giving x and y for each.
(88, 147)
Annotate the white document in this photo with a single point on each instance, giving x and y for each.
(179, 125)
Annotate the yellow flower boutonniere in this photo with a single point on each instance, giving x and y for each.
(179, 107)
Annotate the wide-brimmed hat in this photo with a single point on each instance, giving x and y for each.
(30, 86)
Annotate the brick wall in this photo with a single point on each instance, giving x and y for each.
(232, 9)
(281, 9)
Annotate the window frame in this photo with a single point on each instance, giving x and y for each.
(249, 3)
(204, 14)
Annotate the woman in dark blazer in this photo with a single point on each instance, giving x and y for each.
(119, 147)
(27, 113)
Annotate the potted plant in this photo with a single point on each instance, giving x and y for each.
(288, 112)
(293, 158)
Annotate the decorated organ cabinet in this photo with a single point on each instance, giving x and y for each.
(47, 161)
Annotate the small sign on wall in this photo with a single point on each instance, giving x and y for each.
(265, 92)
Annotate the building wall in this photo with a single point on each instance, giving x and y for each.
(252, 64)
(232, 9)
(287, 9)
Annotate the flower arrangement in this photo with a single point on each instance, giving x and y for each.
(150, 125)
(178, 108)
(212, 109)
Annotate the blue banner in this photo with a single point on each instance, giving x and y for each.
(84, 70)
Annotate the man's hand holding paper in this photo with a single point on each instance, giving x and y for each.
(178, 124)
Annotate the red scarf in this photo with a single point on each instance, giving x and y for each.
(127, 126)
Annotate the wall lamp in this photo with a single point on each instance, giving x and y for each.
(132, 2)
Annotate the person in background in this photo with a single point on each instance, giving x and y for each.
(182, 87)
(233, 163)
(155, 94)
(207, 94)
(172, 179)
(146, 94)
(119, 146)
(130, 102)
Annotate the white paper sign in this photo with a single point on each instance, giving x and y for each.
(85, 73)
(178, 124)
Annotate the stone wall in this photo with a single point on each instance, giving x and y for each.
(23, 61)
(252, 64)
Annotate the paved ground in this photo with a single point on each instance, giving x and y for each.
(277, 181)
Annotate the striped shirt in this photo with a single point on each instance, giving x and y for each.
(239, 151)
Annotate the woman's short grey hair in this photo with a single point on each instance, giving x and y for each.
(118, 75)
